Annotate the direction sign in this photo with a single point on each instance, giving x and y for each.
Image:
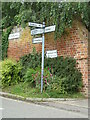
(50, 29)
(35, 24)
(51, 53)
(36, 31)
(14, 36)
(37, 40)
(40, 31)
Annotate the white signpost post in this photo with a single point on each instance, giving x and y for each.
(42, 30)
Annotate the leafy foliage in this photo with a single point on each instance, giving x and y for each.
(63, 66)
(47, 78)
(60, 74)
(29, 76)
(61, 14)
(30, 61)
(57, 86)
(5, 35)
(9, 11)
(65, 69)
(33, 77)
(10, 73)
(66, 77)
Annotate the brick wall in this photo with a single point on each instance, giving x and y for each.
(74, 44)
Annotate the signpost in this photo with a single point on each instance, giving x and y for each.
(35, 24)
(50, 29)
(42, 30)
(14, 36)
(37, 40)
(36, 31)
(51, 54)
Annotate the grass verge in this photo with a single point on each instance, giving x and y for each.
(25, 90)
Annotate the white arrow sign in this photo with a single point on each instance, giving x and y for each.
(37, 40)
(40, 31)
(51, 53)
(36, 31)
(35, 24)
(14, 36)
(50, 29)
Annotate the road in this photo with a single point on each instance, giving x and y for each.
(20, 109)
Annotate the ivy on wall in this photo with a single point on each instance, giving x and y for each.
(61, 14)
(5, 35)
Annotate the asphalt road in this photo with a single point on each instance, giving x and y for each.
(18, 109)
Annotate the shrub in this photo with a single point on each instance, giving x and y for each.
(10, 72)
(30, 61)
(47, 78)
(73, 82)
(64, 68)
(64, 85)
(30, 76)
(56, 86)
(61, 66)
(33, 77)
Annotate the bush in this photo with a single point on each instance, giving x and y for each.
(30, 61)
(64, 69)
(73, 82)
(10, 72)
(33, 77)
(61, 66)
(30, 76)
(64, 85)
(56, 86)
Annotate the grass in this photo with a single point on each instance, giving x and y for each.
(25, 90)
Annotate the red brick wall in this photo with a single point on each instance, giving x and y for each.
(75, 44)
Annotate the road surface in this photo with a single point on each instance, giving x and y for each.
(20, 109)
